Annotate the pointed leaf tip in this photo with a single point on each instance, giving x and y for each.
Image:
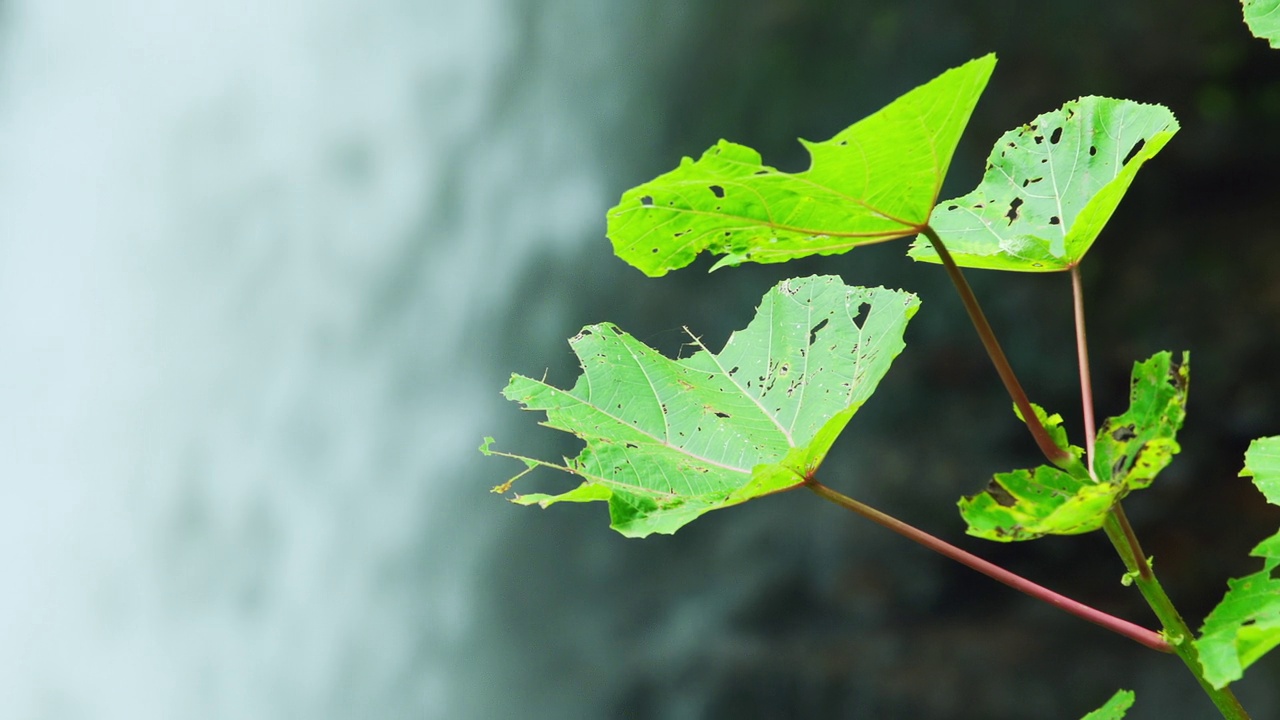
(1050, 187)
(669, 440)
(874, 181)
(1115, 708)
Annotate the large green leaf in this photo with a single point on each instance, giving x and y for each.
(1246, 624)
(874, 181)
(668, 440)
(1050, 187)
(1263, 19)
(1115, 708)
(1131, 449)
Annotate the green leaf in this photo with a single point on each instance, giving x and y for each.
(876, 180)
(1262, 463)
(1131, 449)
(668, 440)
(1246, 624)
(1263, 19)
(1050, 187)
(1115, 708)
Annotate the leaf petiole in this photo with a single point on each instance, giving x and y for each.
(1137, 633)
(1055, 454)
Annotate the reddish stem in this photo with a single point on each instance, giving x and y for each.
(1134, 632)
(1055, 454)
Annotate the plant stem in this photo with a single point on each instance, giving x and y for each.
(1176, 631)
(1121, 534)
(1055, 454)
(1130, 630)
(1082, 359)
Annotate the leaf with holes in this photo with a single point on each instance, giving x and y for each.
(1050, 187)
(1114, 709)
(1263, 19)
(1028, 504)
(1246, 624)
(876, 180)
(1131, 449)
(668, 440)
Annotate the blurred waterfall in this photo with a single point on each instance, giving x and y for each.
(242, 247)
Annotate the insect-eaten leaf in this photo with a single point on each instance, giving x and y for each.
(1050, 187)
(1263, 19)
(1131, 449)
(668, 440)
(876, 180)
(1115, 708)
(1246, 625)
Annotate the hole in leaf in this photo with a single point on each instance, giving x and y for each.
(952, 207)
(1039, 139)
(1000, 494)
(1055, 220)
(721, 414)
(1122, 434)
(860, 318)
(1013, 210)
(1137, 148)
(1093, 149)
(1056, 136)
(647, 200)
(1118, 465)
(813, 332)
(716, 190)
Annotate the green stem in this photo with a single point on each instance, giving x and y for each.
(1121, 534)
(1176, 631)
(1134, 632)
(1055, 454)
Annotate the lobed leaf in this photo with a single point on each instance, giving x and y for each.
(1246, 624)
(1131, 449)
(1114, 709)
(874, 181)
(1050, 187)
(1263, 19)
(669, 440)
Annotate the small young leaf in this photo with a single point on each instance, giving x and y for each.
(1131, 449)
(1246, 624)
(876, 180)
(668, 440)
(1115, 708)
(1263, 19)
(1026, 504)
(1050, 187)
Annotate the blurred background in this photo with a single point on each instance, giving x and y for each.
(265, 267)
